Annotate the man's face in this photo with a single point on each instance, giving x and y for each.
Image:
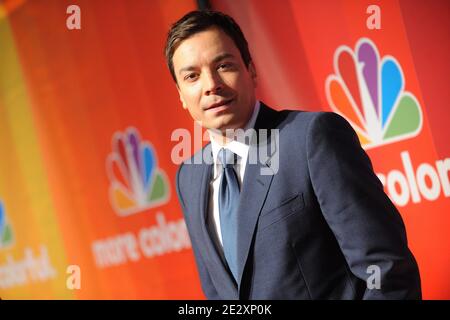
(213, 81)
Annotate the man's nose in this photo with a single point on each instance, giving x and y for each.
(212, 83)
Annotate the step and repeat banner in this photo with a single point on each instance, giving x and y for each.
(86, 177)
(88, 207)
(384, 66)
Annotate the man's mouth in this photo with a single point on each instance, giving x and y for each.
(219, 104)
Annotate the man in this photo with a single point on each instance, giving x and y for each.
(318, 227)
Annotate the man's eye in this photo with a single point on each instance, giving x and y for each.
(190, 77)
(224, 66)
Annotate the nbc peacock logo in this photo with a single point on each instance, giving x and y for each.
(136, 181)
(370, 93)
(6, 236)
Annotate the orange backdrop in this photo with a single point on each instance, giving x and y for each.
(67, 99)
(86, 118)
(297, 46)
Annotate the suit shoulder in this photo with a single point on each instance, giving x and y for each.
(318, 120)
(198, 156)
(321, 116)
(186, 168)
(329, 122)
(332, 130)
(310, 120)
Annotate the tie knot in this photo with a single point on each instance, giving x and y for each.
(227, 157)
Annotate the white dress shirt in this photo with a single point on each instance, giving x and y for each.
(239, 148)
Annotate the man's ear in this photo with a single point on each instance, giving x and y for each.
(183, 103)
(252, 70)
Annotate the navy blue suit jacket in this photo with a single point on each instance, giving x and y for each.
(312, 229)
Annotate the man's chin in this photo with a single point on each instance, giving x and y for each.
(222, 123)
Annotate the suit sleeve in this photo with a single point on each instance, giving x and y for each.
(207, 286)
(366, 224)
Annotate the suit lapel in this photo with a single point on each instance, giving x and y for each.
(255, 187)
(217, 270)
(253, 195)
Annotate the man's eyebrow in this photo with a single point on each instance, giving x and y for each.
(189, 68)
(222, 57)
(216, 59)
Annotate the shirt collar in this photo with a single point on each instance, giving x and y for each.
(239, 148)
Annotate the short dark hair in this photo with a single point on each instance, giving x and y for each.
(197, 21)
